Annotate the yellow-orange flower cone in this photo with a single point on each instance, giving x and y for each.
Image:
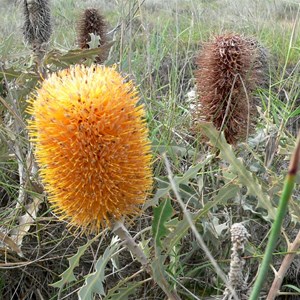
(92, 145)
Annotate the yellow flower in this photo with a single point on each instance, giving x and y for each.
(91, 143)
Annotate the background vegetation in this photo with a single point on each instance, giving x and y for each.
(156, 43)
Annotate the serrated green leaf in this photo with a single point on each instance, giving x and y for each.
(166, 186)
(68, 275)
(190, 194)
(226, 192)
(94, 282)
(162, 214)
(122, 292)
(74, 56)
(244, 176)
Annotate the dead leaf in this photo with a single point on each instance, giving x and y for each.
(7, 241)
(18, 233)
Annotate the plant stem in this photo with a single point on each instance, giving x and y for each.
(120, 230)
(274, 291)
(276, 227)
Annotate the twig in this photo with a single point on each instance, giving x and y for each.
(274, 291)
(120, 230)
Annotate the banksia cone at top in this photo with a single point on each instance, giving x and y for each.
(229, 68)
(92, 22)
(37, 26)
(91, 144)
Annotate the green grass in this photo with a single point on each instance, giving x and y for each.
(156, 46)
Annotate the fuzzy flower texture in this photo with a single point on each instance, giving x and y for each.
(92, 145)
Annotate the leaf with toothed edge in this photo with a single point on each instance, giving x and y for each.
(94, 282)
(165, 186)
(68, 275)
(62, 59)
(245, 177)
(227, 192)
(122, 291)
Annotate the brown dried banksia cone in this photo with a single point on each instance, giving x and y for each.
(92, 22)
(229, 69)
(37, 26)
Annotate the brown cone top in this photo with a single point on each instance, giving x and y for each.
(91, 21)
(228, 71)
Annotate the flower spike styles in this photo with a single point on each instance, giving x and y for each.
(91, 143)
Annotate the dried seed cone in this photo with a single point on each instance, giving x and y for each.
(92, 145)
(229, 68)
(92, 21)
(37, 26)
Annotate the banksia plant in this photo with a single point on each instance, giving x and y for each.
(37, 26)
(92, 22)
(92, 145)
(229, 69)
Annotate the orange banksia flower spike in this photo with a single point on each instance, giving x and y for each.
(229, 69)
(91, 143)
(92, 21)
